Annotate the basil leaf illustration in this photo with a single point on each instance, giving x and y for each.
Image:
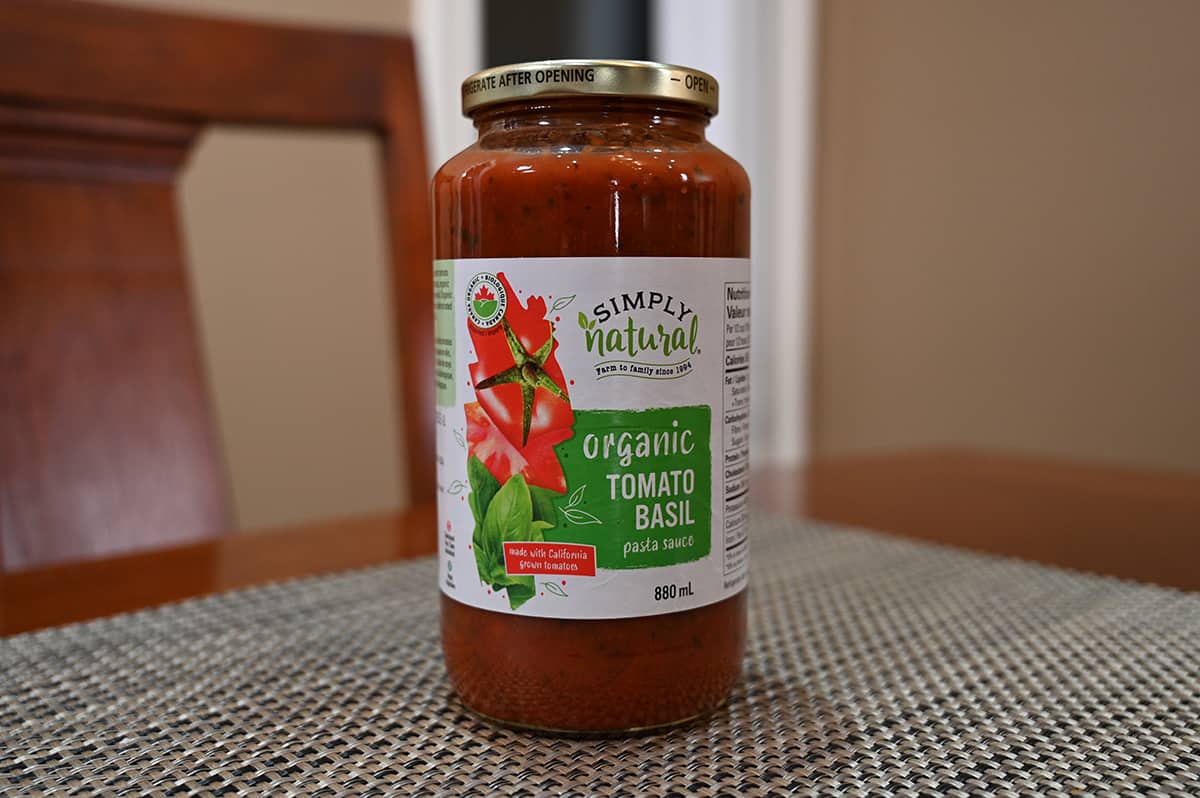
(484, 557)
(552, 587)
(472, 500)
(510, 512)
(583, 320)
(535, 531)
(508, 517)
(520, 591)
(543, 504)
(498, 576)
(483, 485)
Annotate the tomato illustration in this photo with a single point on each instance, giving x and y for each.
(536, 461)
(521, 393)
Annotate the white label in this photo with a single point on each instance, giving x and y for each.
(593, 432)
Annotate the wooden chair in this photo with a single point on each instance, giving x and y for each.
(106, 434)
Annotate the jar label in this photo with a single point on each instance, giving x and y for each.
(593, 432)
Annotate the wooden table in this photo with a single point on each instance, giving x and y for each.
(1130, 523)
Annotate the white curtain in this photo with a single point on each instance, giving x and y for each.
(448, 37)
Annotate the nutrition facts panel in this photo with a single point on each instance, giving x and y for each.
(736, 468)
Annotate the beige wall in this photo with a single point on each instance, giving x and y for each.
(1008, 225)
(285, 241)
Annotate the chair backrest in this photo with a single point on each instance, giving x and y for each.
(106, 436)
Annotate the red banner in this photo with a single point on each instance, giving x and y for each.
(555, 559)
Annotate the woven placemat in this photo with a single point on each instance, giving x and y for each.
(876, 666)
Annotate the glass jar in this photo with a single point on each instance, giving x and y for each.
(592, 315)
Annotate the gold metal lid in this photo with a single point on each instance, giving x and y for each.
(589, 77)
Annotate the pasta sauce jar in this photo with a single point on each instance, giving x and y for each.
(592, 314)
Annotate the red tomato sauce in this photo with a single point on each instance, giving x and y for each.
(592, 176)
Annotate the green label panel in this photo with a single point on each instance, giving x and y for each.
(638, 486)
(443, 330)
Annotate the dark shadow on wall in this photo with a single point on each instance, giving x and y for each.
(533, 30)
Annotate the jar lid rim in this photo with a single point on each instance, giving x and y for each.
(589, 76)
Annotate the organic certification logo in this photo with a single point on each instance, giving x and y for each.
(486, 300)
